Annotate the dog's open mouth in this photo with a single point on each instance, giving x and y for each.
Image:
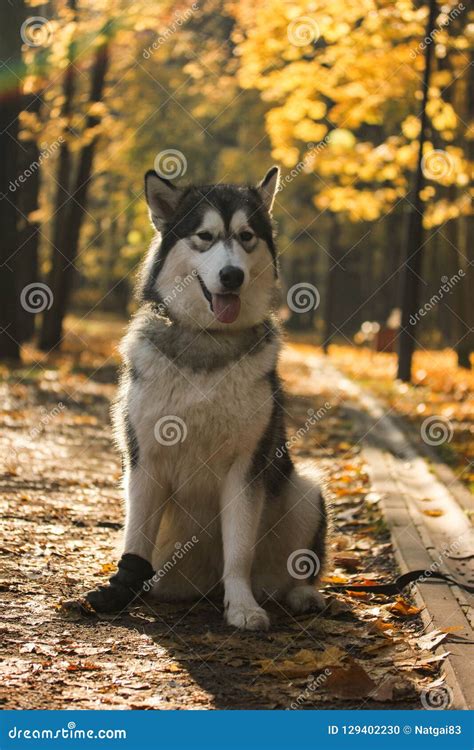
(226, 307)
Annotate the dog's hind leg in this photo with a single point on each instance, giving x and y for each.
(292, 545)
(241, 508)
(146, 500)
(305, 598)
(306, 561)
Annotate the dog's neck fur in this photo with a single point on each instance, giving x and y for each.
(201, 349)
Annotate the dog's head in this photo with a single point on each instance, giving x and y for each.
(216, 264)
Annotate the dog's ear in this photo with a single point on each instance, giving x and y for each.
(269, 186)
(162, 198)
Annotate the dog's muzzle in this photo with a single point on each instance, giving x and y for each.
(226, 307)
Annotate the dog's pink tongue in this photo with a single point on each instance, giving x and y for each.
(226, 307)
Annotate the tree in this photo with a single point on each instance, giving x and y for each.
(71, 206)
(342, 85)
(11, 76)
(29, 191)
(330, 296)
(413, 263)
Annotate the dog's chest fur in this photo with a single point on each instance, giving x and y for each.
(196, 402)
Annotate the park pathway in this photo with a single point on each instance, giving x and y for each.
(62, 515)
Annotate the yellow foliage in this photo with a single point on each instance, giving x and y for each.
(344, 69)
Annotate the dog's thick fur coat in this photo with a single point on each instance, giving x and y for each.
(213, 498)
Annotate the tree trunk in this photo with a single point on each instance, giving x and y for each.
(28, 198)
(414, 255)
(466, 245)
(11, 18)
(334, 252)
(63, 187)
(62, 273)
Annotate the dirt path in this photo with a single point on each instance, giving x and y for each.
(62, 511)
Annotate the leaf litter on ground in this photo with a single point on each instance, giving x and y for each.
(180, 656)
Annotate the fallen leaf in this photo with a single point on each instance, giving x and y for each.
(108, 568)
(373, 498)
(349, 515)
(334, 579)
(350, 562)
(433, 513)
(422, 665)
(85, 666)
(28, 648)
(378, 646)
(358, 594)
(431, 640)
(384, 691)
(303, 663)
(383, 625)
(172, 668)
(350, 682)
(402, 608)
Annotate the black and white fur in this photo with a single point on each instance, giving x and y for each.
(226, 484)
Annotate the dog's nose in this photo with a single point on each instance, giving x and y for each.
(231, 277)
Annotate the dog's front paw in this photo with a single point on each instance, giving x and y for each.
(109, 599)
(123, 587)
(247, 618)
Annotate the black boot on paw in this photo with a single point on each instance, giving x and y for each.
(123, 587)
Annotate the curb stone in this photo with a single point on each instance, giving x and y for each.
(404, 480)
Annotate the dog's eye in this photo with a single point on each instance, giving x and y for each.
(246, 236)
(205, 236)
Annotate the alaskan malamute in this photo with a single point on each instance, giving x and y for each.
(213, 499)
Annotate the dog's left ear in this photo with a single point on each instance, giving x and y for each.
(269, 186)
(162, 198)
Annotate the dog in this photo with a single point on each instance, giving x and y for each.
(213, 499)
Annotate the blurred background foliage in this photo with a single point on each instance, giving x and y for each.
(330, 90)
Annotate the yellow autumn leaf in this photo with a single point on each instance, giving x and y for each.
(303, 663)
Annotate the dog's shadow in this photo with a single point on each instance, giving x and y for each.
(203, 663)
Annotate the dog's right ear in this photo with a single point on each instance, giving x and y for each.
(162, 198)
